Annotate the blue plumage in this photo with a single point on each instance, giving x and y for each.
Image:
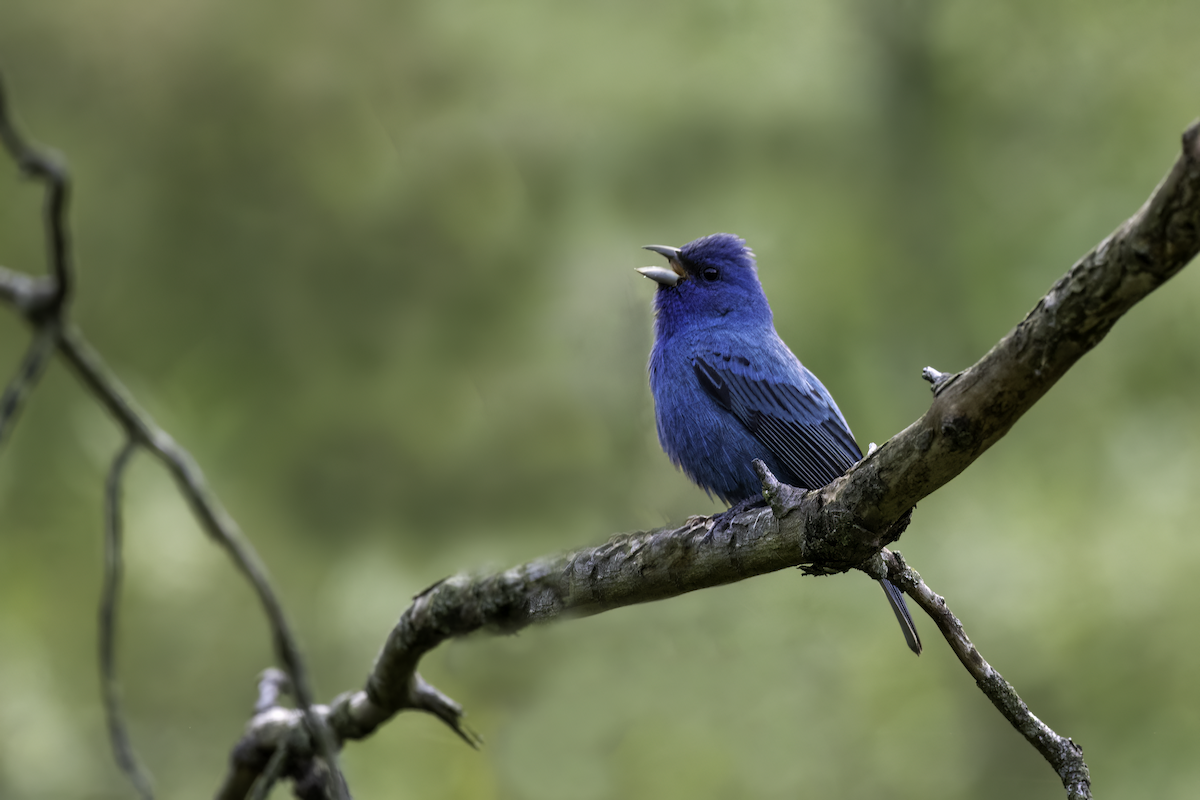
(727, 390)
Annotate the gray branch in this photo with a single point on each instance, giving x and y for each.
(114, 566)
(42, 302)
(33, 364)
(1064, 755)
(842, 526)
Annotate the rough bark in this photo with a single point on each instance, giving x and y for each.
(844, 525)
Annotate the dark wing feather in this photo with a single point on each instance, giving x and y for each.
(800, 425)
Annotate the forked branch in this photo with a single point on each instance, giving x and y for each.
(842, 526)
(42, 302)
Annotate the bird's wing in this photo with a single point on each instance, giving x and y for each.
(796, 420)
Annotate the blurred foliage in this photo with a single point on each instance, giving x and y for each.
(372, 263)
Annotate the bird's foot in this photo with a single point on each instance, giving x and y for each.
(724, 521)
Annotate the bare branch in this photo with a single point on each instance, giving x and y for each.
(38, 299)
(274, 729)
(1064, 755)
(118, 734)
(28, 374)
(844, 525)
(279, 747)
(972, 410)
(839, 527)
(42, 302)
(42, 166)
(273, 772)
(208, 510)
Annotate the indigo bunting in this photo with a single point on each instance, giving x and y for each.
(727, 390)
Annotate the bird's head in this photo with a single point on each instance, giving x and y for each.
(711, 278)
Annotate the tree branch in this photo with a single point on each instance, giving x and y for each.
(40, 165)
(42, 302)
(33, 364)
(110, 688)
(39, 299)
(972, 410)
(832, 529)
(844, 525)
(1064, 755)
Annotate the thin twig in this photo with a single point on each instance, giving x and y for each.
(841, 526)
(118, 733)
(834, 528)
(1064, 755)
(41, 308)
(40, 300)
(38, 164)
(274, 769)
(213, 518)
(37, 356)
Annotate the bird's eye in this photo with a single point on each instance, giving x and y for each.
(711, 274)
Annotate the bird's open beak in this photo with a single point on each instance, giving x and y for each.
(663, 275)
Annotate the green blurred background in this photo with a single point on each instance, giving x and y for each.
(372, 263)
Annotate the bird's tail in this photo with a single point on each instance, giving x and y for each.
(900, 608)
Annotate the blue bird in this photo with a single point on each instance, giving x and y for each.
(727, 390)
